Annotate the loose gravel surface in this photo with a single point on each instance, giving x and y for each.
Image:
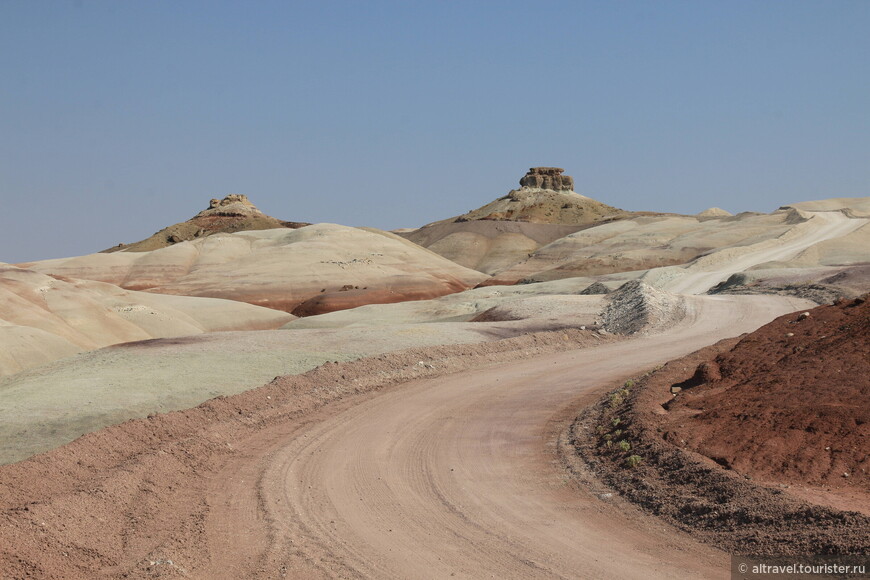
(638, 307)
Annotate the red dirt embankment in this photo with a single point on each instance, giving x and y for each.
(752, 453)
(790, 403)
(353, 297)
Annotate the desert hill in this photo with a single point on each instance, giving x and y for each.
(649, 242)
(546, 231)
(318, 268)
(487, 246)
(44, 318)
(856, 206)
(788, 403)
(233, 213)
(506, 230)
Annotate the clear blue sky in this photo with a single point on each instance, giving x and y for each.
(119, 118)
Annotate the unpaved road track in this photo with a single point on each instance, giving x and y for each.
(706, 272)
(457, 476)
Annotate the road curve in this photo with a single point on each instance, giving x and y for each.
(703, 273)
(458, 476)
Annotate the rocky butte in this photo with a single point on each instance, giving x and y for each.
(545, 196)
(233, 213)
(547, 178)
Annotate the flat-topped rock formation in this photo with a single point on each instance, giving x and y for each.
(235, 204)
(505, 231)
(233, 213)
(548, 178)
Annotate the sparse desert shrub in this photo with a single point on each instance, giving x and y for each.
(625, 445)
(616, 399)
(615, 421)
(629, 383)
(632, 460)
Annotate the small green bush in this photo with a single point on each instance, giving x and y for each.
(633, 461)
(629, 383)
(616, 399)
(615, 421)
(625, 445)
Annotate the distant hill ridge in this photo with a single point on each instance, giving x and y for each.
(545, 196)
(233, 213)
(508, 229)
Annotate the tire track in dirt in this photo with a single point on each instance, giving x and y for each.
(707, 271)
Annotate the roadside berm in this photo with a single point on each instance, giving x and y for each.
(756, 444)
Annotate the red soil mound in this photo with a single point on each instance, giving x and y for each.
(353, 297)
(790, 403)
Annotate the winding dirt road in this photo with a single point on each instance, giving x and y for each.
(455, 476)
(707, 271)
(458, 476)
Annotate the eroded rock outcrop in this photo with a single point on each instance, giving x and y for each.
(508, 230)
(234, 204)
(233, 213)
(548, 178)
(546, 197)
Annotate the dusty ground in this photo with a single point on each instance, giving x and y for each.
(335, 492)
(119, 494)
(52, 404)
(759, 425)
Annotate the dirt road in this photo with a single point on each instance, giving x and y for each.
(458, 477)
(707, 271)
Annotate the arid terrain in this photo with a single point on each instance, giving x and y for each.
(544, 387)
